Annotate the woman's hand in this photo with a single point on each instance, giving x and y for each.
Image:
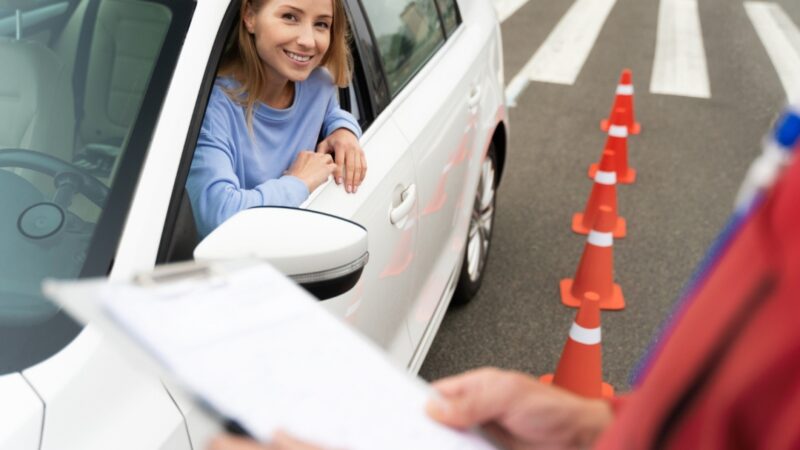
(351, 164)
(280, 441)
(518, 411)
(312, 168)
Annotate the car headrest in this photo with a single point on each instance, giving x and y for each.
(10, 5)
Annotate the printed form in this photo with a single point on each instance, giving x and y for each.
(256, 348)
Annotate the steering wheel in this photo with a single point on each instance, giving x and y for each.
(39, 238)
(67, 178)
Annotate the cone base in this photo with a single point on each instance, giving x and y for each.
(606, 390)
(636, 128)
(615, 303)
(628, 178)
(620, 229)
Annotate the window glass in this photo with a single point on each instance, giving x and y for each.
(450, 17)
(408, 32)
(27, 6)
(68, 119)
(31, 14)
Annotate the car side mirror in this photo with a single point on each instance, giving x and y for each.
(324, 254)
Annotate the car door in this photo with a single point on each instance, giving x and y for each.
(436, 90)
(386, 204)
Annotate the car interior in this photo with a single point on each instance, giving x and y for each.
(57, 52)
(75, 73)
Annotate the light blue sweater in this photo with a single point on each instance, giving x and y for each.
(232, 171)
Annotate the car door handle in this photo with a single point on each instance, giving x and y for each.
(401, 211)
(474, 97)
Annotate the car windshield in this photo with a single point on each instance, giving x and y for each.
(80, 89)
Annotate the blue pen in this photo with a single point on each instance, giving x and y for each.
(778, 150)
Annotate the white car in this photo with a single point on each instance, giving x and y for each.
(100, 107)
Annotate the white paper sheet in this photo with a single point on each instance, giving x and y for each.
(258, 349)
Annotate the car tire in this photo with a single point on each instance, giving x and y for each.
(479, 232)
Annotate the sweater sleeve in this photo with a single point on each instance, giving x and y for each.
(617, 403)
(336, 117)
(214, 188)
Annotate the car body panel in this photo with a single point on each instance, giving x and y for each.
(127, 409)
(22, 415)
(201, 425)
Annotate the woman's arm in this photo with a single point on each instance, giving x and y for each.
(216, 193)
(342, 132)
(215, 183)
(336, 117)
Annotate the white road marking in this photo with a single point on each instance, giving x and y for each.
(562, 55)
(781, 39)
(679, 67)
(515, 88)
(505, 8)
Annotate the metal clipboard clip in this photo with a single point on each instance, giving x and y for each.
(183, 277)
(170, 273)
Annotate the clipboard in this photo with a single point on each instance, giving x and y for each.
(78, 298)
(257, 353)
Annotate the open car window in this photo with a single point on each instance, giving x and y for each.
(180, 232)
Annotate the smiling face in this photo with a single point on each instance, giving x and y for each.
(291, 36)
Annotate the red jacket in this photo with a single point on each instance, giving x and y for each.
(728, 375)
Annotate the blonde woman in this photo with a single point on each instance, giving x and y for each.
(274, 97)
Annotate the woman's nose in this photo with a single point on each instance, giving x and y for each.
(305, 38)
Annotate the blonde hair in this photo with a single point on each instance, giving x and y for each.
(241, 61)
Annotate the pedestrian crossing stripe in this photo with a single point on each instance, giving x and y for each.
(561, 57)
(506, 8)
(679, 66)
(781, 39)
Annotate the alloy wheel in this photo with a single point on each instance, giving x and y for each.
(481, 221)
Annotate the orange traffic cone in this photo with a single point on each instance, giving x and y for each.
(618, 142)
(580, 369)
(624, 100)
(595, 270)
(604, 192)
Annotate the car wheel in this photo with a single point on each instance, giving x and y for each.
(479, 235)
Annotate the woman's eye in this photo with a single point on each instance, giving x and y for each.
(323, 25)
(291, 17)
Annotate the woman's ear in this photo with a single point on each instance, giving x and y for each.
(249, 18)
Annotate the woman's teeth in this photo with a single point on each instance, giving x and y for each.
(297, 57)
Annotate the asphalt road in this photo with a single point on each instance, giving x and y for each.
(690, 156)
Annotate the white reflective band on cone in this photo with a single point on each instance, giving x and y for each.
(624, 89)
(608, 178)
(619, 131)
(600, 239)
(586, 336)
